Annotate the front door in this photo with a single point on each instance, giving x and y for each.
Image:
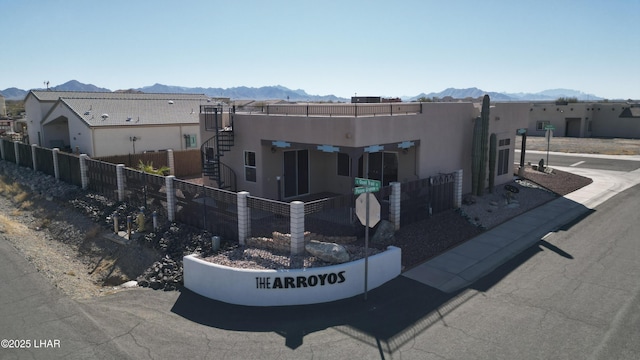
(296, 173)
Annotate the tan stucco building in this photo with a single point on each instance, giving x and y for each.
(585, 119)
(289, 151)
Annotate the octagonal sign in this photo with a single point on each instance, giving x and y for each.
(374, 209)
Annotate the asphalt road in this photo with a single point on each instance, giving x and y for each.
(575, 295)
(598, 162)
(38, 322)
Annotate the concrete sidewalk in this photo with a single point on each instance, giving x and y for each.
(468, 262)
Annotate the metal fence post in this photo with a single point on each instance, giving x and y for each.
(171, 198)
(2, 148)
(120, 181)
(84, 177)
(394, 205)
(33, 156)
(457, 190)
(297, 228)
(56, 166)
(17, 151)
(243, 219)
(171, 162)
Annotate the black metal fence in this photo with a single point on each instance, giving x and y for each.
(332, 216)
(102, 178)
(216, 210)
(44, 161)
(267, 216)
(206, 208)
(9, 151)
(421, 198)
(68, 167)
(24, 155)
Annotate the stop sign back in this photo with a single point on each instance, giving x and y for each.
(374, 209)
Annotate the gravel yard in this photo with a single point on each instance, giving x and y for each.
(66, 233)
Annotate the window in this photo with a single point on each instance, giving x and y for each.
(541, 124)
(190, 141)
(503, 161)
(344, 164)
(250, 166)
(503, 156)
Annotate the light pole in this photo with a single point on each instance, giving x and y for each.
(133, 142)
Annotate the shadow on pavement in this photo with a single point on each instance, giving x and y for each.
(392, 315)
(587, 212)
(555, 249)
(508, 267)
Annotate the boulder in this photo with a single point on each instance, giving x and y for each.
(384, 233)
(329, 252)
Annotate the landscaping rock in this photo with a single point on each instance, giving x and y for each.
(329, 252)
(384, 233)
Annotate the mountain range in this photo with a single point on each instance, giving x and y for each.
(283, 93)
(474, 93)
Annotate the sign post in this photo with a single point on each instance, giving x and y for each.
(549, 135)
(364, 188)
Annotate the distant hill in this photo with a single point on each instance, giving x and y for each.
(13, 93)
(243, 92)
(279, 92)
(475, 93)
(262, 93)
(75, 85)
(554, 94)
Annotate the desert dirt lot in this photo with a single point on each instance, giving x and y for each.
(583, 145)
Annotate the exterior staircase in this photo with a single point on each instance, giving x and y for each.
(214, 148)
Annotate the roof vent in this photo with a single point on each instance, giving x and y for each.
(105, 116)
(87, 112)
(170, 101)
(128, 119)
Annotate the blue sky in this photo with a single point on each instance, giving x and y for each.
(382, 48)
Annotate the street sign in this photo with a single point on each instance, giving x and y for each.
(363, 189)
(374, 209)
(360, 190)
(367, 182)
(366, 186)
(549, 127)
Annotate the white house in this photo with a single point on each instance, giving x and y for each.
(103, 124)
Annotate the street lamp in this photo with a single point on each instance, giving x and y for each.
(133, 140)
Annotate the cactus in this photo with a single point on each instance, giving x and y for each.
(492, 162)
(484, 114)
(475, 155)
(480, 149)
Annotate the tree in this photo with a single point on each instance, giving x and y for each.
(149, 169)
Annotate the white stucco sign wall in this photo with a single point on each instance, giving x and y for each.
(289, 287)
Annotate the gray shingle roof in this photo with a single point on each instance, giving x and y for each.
(135, 111)
(46, 95)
